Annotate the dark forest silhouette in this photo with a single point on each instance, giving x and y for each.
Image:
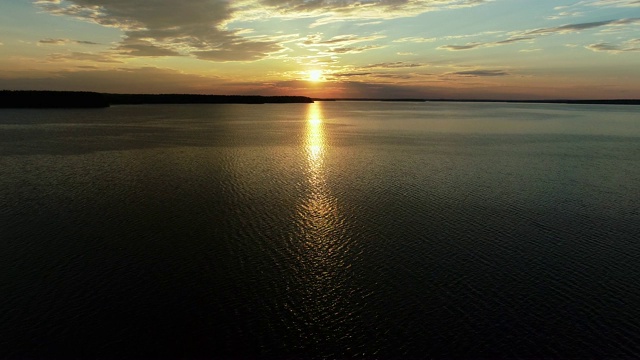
(122, 99)
(82, 99)
(52, 99)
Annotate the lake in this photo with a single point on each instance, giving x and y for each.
(326, 230)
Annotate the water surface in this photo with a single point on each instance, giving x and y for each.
(327, 230)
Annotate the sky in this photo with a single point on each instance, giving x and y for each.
(459, 49)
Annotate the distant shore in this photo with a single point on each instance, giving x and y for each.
(133, 99)
(52, 99)
(549, 101)
(81, 99)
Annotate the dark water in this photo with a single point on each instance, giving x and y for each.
(331, 230)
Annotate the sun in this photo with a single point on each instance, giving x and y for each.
(315, 75)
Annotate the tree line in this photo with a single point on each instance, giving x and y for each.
(84, 99)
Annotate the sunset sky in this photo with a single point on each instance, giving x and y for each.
(510, 49)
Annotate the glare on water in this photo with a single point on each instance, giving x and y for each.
(315, 137)
(319, 208)
(322, 242)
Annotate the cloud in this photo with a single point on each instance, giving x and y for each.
(370, 23)
(352, 74)
(565, 14)
(329, 11)
(239, 50)
(396, 76)
(340, 40)
(82, 56)
(468, 46)
(627, 46)
(392, 65)
(565, 29)
(509, 41)
(134, 47)
(341, 44)
(476, 73)
(53, 41)
(50, 41)
(415, 39)
(167, 27)
(200, 28)
(373, 8)
(349, 50)
(570, 28)
(616, 3)
(529, 35)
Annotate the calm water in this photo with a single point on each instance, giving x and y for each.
(329, 230)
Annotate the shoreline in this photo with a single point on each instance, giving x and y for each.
(547, 101)
(83, 99)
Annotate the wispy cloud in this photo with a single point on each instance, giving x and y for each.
(415, 39)
(477, 73)
(571, 28)
(330, 11)
(475, 45)
(340, 40)
(565, 14)
(83, 56)
(50, 41)
(615, 3)
(393, 65)
(530, 35)
(341, 44)
(627, 46)
(352, 74)
(370, 23)
(468, 46)
(349, 50)
(600, 3)
(509, 41)
(137, 47)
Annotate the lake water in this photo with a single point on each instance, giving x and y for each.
(326, 230)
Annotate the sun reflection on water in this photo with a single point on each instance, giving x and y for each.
(319, 208)
(315, 142)
(322, 245)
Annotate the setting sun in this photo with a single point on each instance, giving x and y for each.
(315, 75)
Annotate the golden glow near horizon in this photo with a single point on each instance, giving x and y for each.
(315, 75)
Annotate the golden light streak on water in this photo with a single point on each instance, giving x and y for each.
(322, 243)
(319, 205)
(315, 142)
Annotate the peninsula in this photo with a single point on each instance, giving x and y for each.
(81, 99)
